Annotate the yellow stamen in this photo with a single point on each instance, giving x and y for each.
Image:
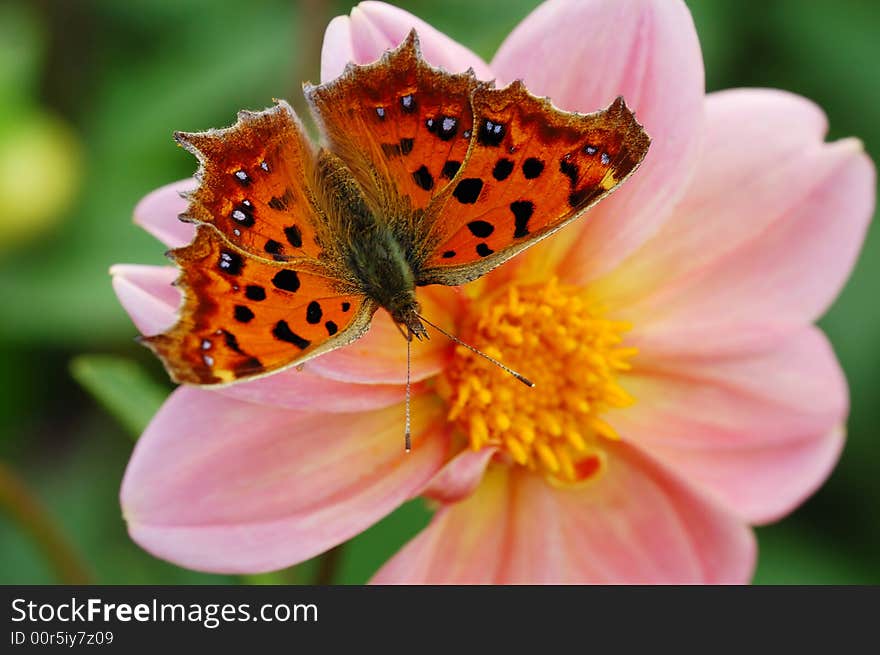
(553, 335)
(516, 449)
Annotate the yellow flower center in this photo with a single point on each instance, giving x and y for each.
(551, 334)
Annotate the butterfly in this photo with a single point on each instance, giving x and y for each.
(425, 177)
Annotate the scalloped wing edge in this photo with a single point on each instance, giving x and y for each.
(408, 50)
(199, 143)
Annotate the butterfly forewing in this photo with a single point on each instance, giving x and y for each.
(402, 127)
(531, 169)
(255, 184)
(244, 317)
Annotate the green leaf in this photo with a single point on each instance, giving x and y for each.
(122, 387)
(367, 552)
(793, 553)
(286, 576)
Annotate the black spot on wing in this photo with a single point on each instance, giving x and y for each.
(272, 247)
(286, 280)
(569, 170)
(278, 203)
(313, 312)
(282, 332)
(294, 236)
(468, 190)
(332, 328)
(255, 292)
(446, 127)
(282, 202)
(532, 168)
(406, 146)
(503, 169)
(231, 342)
(243, 213)
(490, 133)
(450, 168)
(243, 314)
(522, 212)
(230, 262)
(408, 103)
(449, 254)
(481, 229)
(423, 178)
(483, 250)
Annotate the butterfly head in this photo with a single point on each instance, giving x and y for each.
(407, 317)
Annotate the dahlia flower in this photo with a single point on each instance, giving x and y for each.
(682, 392)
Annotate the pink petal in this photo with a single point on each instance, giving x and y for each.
(460, 477)
(635, 524)
(584, 53)
(145, 292)
(338, 49)
(759, 432)
(374, 27)
(309, 391)
(147, 295)
(727, 203)
(782, 277)
(157, 213)
(225, 486)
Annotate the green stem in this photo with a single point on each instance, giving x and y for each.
(328, 566)
(24, 509)
(283, 577)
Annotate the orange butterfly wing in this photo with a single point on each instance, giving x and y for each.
(402, 127)
(254, 184)
(512, 169)
(244, 317)
(531, 169)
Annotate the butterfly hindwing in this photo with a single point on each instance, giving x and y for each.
(243, 316)
(255, 184)
(402, 127)
(530, 170)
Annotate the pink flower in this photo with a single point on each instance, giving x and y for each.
(683, 392)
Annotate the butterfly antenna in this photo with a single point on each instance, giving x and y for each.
(407, 437)
(452, 337)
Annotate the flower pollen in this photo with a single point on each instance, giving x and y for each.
(552, 335)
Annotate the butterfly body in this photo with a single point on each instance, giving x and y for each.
(378, 256)
(425, 177)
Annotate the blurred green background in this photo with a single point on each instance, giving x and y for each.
(90, 92)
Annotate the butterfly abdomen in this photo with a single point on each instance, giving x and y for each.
(385, 275)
